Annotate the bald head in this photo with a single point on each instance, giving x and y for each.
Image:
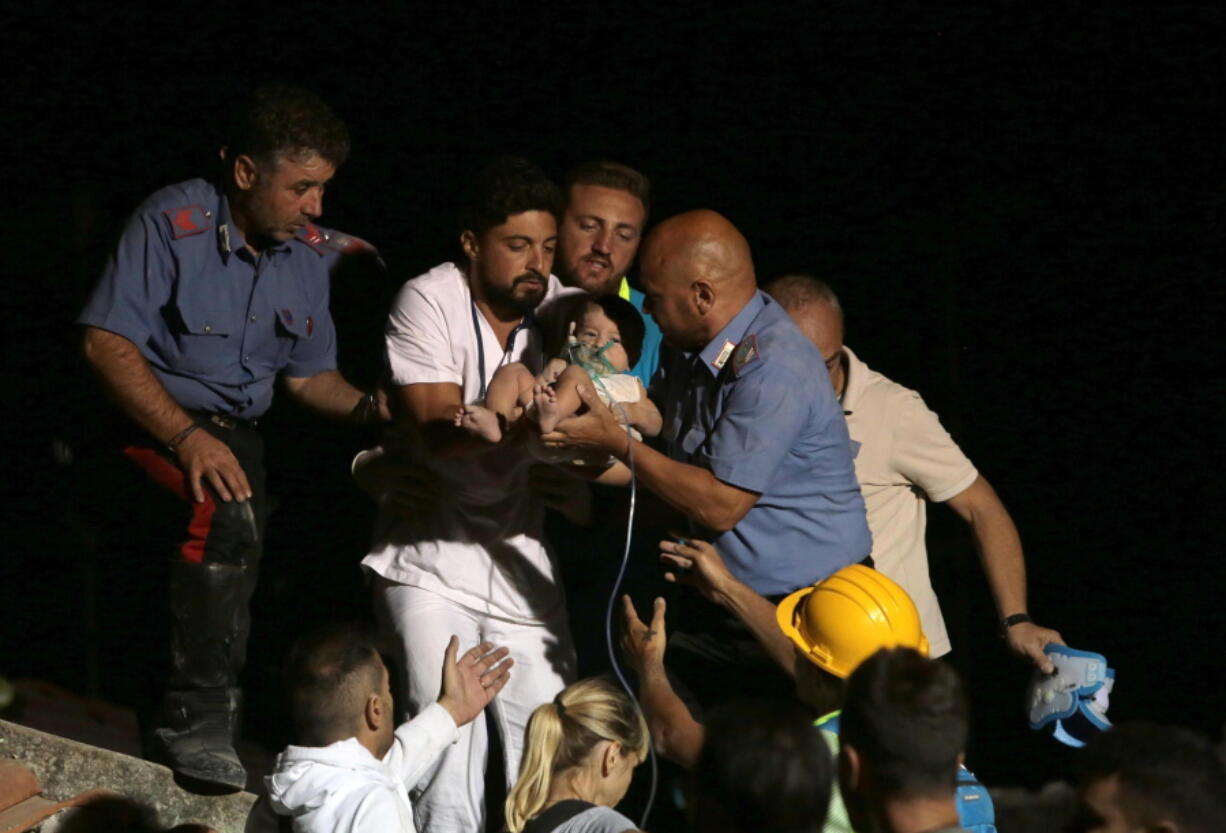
(816, 311)
(697, 272)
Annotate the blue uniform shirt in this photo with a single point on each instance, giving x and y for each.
(757, 409)
(215, 322)
(649, 357)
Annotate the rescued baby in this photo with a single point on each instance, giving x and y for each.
(604, 339)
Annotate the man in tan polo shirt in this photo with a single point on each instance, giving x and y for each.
(906, 458)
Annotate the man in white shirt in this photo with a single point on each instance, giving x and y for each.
(906, 458)
(353, 772)
(476, 564)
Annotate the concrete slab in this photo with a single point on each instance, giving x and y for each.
(66, 768)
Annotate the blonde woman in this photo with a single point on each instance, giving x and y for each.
(579, 756)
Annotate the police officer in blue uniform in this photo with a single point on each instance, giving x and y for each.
(215, 289)
(758, 457)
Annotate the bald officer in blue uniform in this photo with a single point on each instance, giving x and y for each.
(213, 291)
(758, 457)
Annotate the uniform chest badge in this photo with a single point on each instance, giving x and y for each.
(288, 317)
(724, 353)
(746, 354)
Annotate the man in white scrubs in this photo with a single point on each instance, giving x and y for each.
(476, 565)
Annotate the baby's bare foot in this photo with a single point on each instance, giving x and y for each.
(546, 400)
(479, 421)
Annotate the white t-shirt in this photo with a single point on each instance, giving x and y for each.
(484, 547)
(905, 458)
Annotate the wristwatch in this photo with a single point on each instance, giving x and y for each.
(1010, 621)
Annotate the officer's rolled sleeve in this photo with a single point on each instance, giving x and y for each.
(135, 284)
(419, 349)
(766, 413)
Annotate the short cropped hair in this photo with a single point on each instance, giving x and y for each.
(799, 291)
(507, 186)
(1165, 774)
(280, 121)
(329, 674)
(764, 765)
(611, 175)
(906, 716)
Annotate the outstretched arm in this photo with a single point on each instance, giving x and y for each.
(330, 395)
(130, 382)
(674, 731)
(1000, 553)
(697, 564)
(469, 683)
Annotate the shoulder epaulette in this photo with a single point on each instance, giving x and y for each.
(187, 220)
(325, 240)
(747, 352)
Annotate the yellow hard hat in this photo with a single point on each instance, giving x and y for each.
(843, 620)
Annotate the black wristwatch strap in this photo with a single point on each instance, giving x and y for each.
(1014, 619)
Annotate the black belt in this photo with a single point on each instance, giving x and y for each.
(230, 423)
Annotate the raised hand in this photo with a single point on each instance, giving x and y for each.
(471, 681)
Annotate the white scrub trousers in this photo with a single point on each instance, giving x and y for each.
(450, 796)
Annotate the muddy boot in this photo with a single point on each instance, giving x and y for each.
(196, 737)
(201, 711)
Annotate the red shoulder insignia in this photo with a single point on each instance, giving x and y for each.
(347, 244)
(313, 237)
(186, 221)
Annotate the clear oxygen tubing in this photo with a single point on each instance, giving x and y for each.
(613, 594)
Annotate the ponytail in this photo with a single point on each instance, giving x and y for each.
(528, 795)
(562, 735)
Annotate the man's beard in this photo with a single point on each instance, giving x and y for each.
(518, 298)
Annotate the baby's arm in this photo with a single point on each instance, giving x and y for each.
(553, 369)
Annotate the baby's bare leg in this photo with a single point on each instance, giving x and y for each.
(556, 404)
(502, 403)
(510, 388)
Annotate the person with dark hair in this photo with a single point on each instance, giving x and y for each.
(605, 336)
(606, 210)
(764, 766)
(215, 288)
(901, 740)
(1143, 776)
(471, 558)
(579, 759)
(905, 459)
(353, 768)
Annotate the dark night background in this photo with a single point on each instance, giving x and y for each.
(1021, 207)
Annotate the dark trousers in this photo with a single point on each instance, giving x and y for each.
(214, 565)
